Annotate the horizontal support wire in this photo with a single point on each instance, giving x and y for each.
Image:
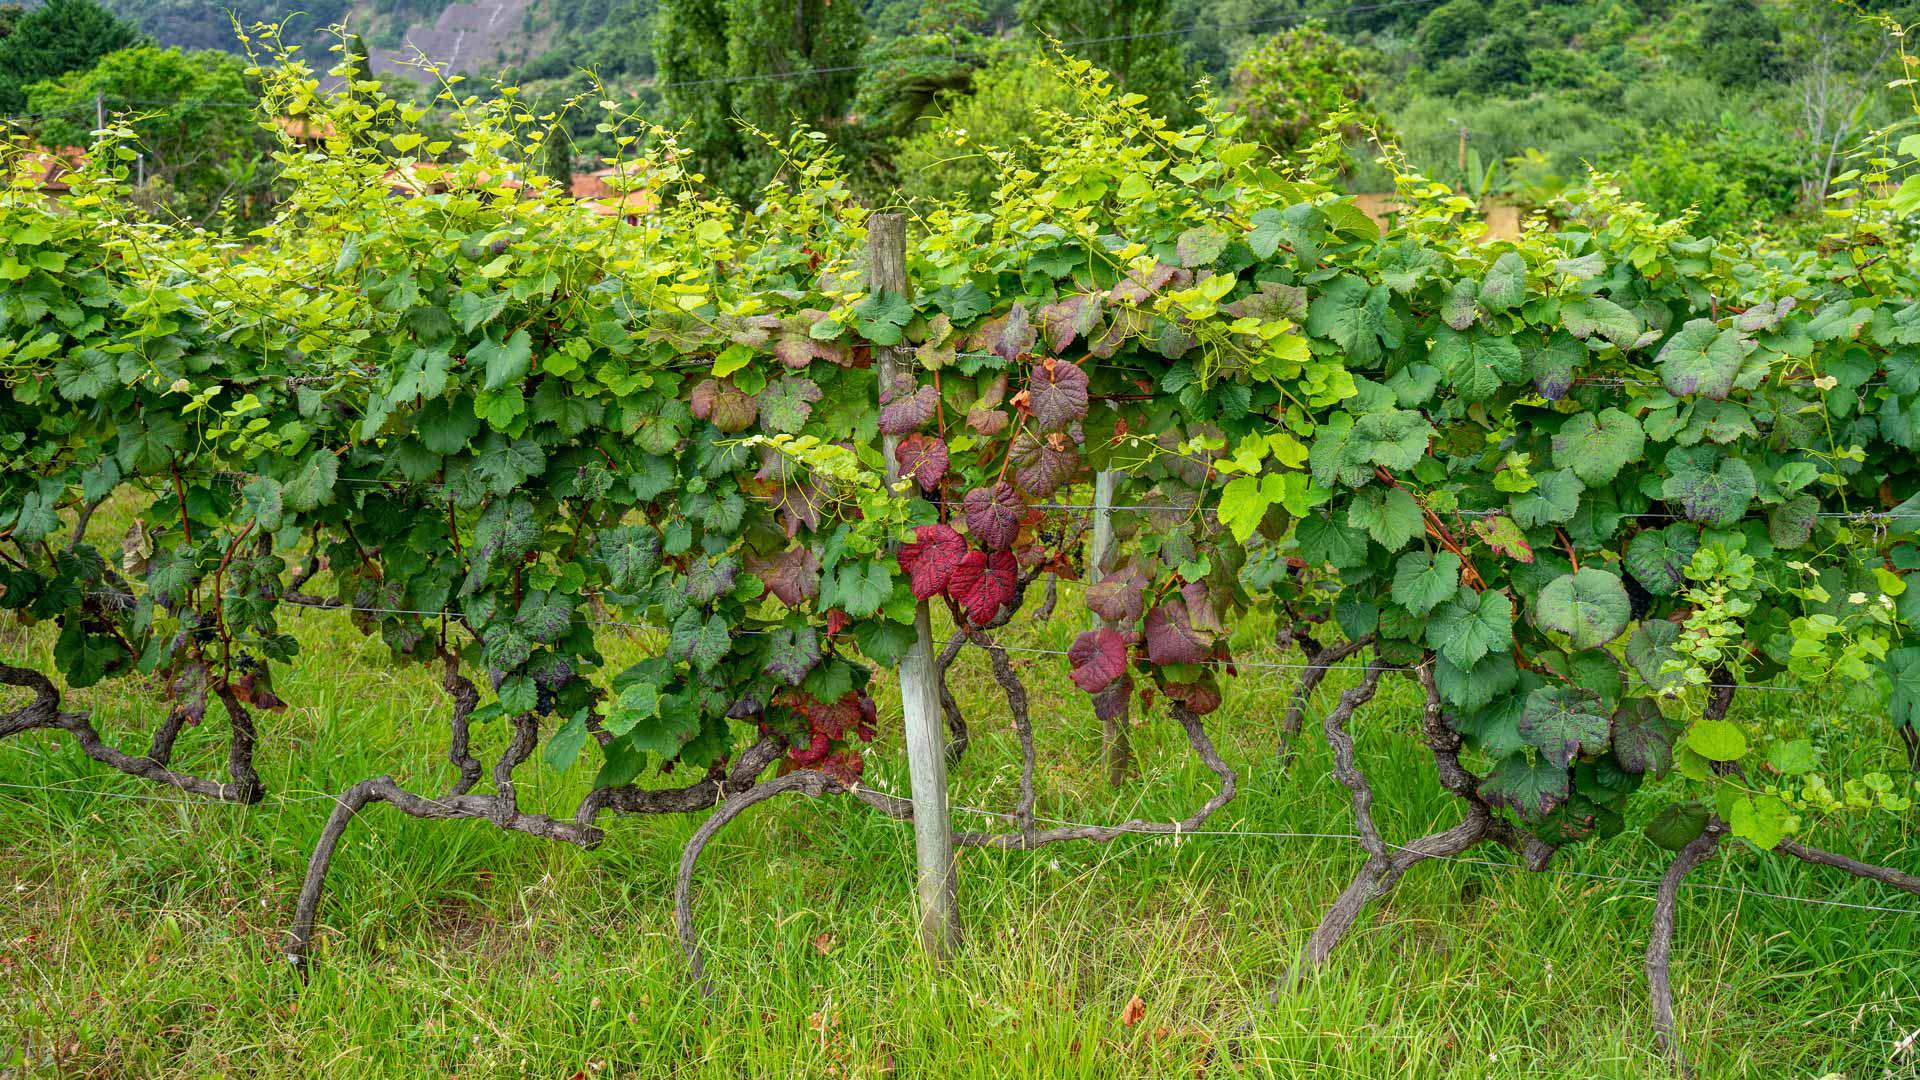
(1234, 834)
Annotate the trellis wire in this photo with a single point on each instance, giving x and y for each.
(1001, 815)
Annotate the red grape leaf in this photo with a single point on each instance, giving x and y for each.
(993, 516)
(1172, 638)
(1200, 698)
(1200, 610)
(1009, 337)
(724, 405)
(1119, 596)
(792, 575)
(1056, 394)
(1142, 285)
(1067, 319)
(985, 415)
(1111, 703)
(1043, 463)
(923, 457)
(1099, 657)
(930, 560)
(982, 584)
(907, 406)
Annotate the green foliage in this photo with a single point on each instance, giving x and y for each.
(200, 153)
(1292, 82)
(53, 39)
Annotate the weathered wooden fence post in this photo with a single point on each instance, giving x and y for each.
(1113, 730)
(919, 697)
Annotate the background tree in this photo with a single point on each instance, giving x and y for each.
(1295, 79)
(1132, 39)
(200, 142)
(725, 61)
(57, 37)
(1452, 29)
(1738, 43)
(946, 156)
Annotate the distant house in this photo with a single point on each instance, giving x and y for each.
(600, 192)
(36, 166)
(305, 130)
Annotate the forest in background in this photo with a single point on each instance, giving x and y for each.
(1744, 110)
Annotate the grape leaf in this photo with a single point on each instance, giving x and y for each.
(907, 407)
(1172, 637)
(792, 575)
(993, 516)
(505, 363)
(1564, 722)
(1503, 537)
(1902, 667)
(983, 583)
(1595, 446)
(724, 405)
(1658, 558)
(1099, 658)
(700, 642)
(1712, 488)
(1505, 285)
(311, 485)
(1119, 596)
(1554, 498)
(931, 559)
(1056, 394)
(544, 615)
(1358, 318)
(786, 404)
(630, 554)
(923, 457)
(1643, 737)
(1596, 315)
(1476, 364)
(1590, 606)
(1389, 515)
(1422, 582)
(1470, 626)
(709, 578)
(858, 588)
(1649, 649)
(1475, 687)
(792, 651)
(1677, 826)
(1702, 359)
(1531, 788)
(1042, 463)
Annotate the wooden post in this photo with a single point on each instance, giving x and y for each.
(1113, 730)
(919, 697)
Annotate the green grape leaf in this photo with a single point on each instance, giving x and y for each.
(505, 362)
(1589, 606)
(1470, 626)
(1644, 737)
(1564, 722)
(1717, 740)
(792, 651)
(544, 616)
(1389, 515)
(1702, 360)
(1553, 499)
(1596, 316)
(1529, 787)
(1677, 826)
(1658, 558)
(1505, 285)
(1358, 318)
(1476, 364)
(311, 485)
(1475, 687)
(1422, 582)
(1710, 487)
(701, 642)
(1595, 446)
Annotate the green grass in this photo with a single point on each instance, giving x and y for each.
(139, 931)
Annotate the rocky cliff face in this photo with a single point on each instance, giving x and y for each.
(466, 37)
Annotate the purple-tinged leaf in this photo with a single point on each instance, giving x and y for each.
(993, 516)
(930, 560)
(1056, 394)
(923, 457)
(1099, 657)
(983, 583)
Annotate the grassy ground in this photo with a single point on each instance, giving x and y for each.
(139, 932)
